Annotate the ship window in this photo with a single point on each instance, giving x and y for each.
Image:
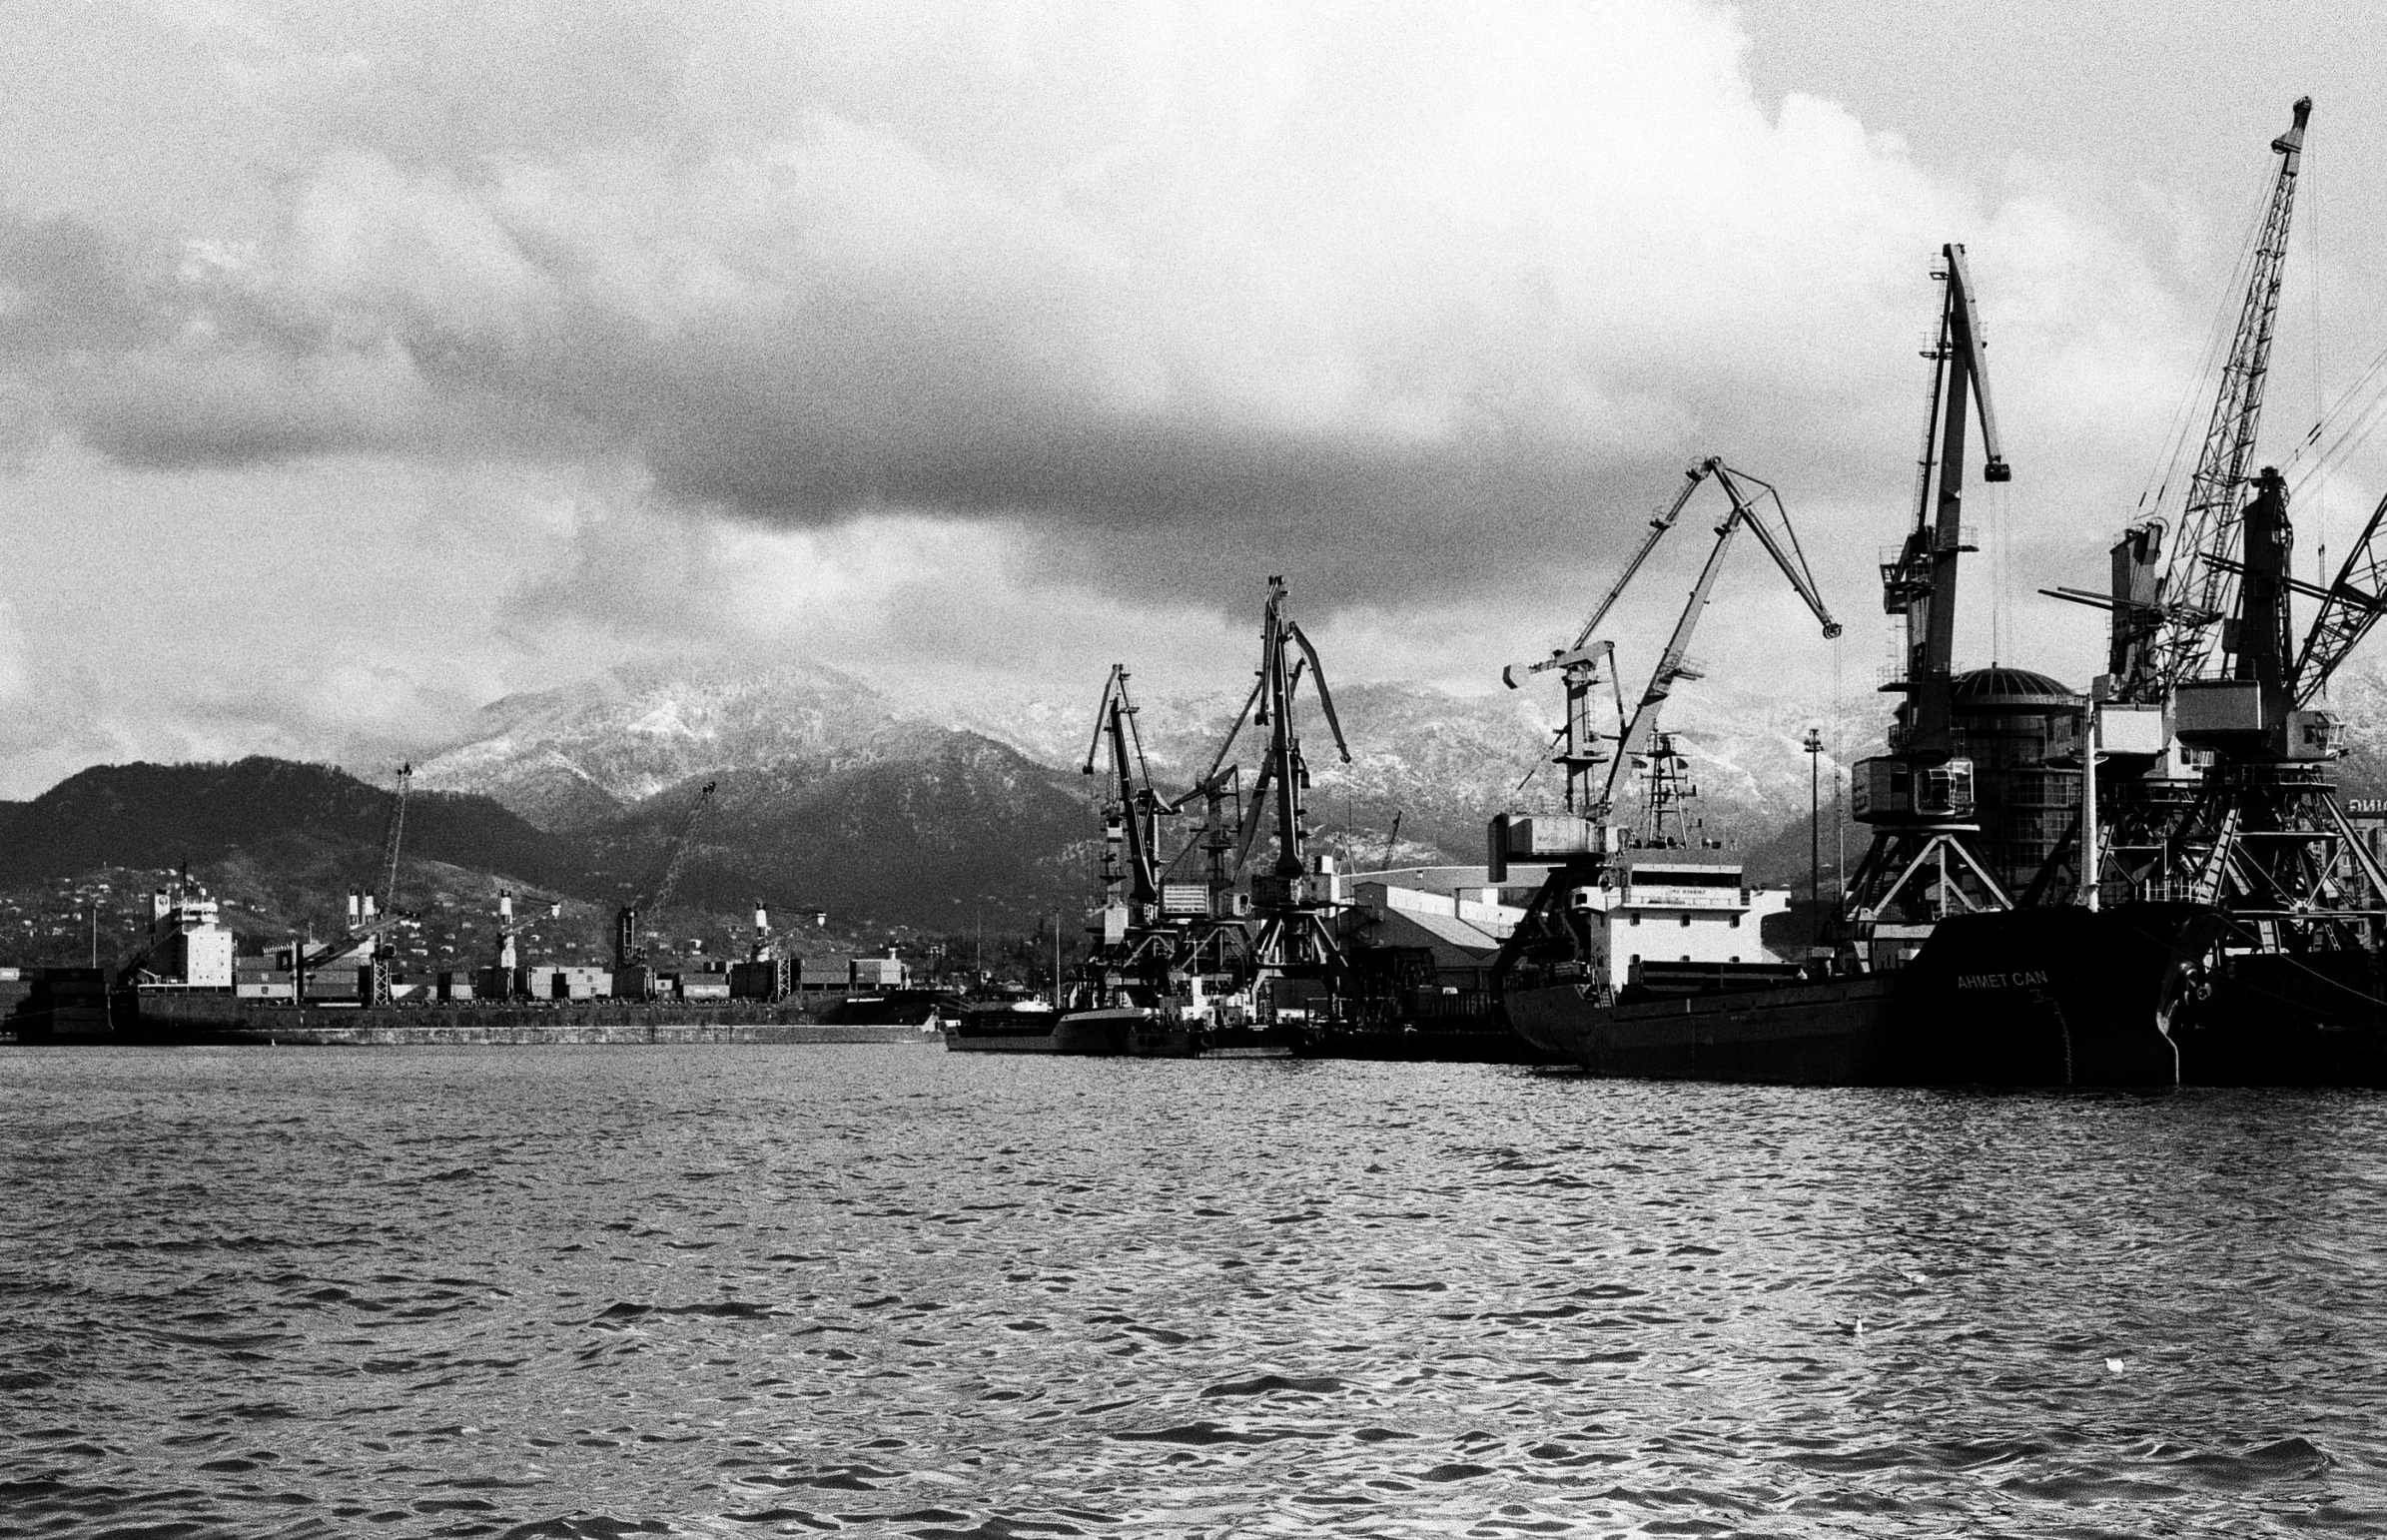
(1685, 917)
(1636, 919)
(1736, 957)
(1736, 925)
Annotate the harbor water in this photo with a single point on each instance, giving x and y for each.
(755, 1289)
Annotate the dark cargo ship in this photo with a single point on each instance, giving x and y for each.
(2025, 997)
(215, 1018)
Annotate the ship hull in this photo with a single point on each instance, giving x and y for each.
(1002, 1029)
(1163, 1039)
(202, 1018)
(962, 1040)
(2054, 996)
(1427, 1042)
(1092, 1034)
(1130, 1033)
(2272, 1019)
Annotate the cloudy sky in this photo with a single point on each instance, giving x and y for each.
(360, 363)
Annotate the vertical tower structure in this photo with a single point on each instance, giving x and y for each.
(1927, 858)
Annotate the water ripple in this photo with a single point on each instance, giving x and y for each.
(614, 1292)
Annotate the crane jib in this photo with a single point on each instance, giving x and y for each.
(2211, 519)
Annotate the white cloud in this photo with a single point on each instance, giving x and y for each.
(975, 342)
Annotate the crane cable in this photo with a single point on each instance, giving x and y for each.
(2210, 361)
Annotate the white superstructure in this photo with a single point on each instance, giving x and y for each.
(1670, 908)
(188, 944)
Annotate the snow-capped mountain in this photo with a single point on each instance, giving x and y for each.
(566, 757)
(1442, 762)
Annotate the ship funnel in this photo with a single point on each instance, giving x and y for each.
(353, 906)
(505, 906)
(369, 909)
(762, 917)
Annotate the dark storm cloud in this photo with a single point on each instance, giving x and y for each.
(1177, 285)
(71, 288)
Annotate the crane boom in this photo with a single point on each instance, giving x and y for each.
(1140, 807)
(391, 833)
(1672, 665)
(2195, 591)
(1923, 583)
(2350, 606)
(1782, 546)
(1293, 928)
(626, 951)
(682, 843)
(1698, 471)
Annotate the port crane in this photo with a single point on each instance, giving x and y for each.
(1293, 932)
(391, 833)
(1782, 543)
(2166, 637)
(1131, 814)
(1583, 664)
(1924, 861)
(1220, 789)
(2208, 748)
(631, 965)
(2215, 786)
(366, 937)
(392, 836)
(1148, 927)
(1581, 849)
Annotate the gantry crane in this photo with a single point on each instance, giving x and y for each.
(366, 937)
(2167, 636)
(1580, 849)
(1131, 814)
(2208, 756)
(632, 976)
(1924, 861)
(1583, 662)
(1640, 733)
(2214, 784)
(393, 834)
(1135, 938)
(1293, 905)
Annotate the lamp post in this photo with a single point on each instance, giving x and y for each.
(1814, 837)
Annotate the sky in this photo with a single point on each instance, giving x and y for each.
(362, 363)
